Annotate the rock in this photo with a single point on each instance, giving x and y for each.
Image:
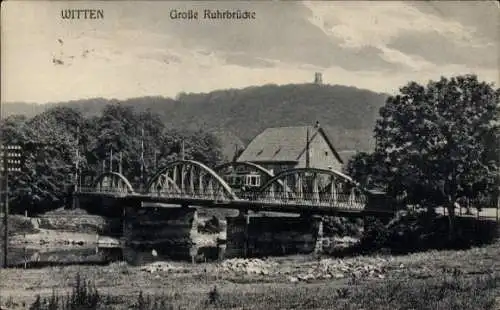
(293, 279)
(108, 240)
(248, 266)
(158, 267)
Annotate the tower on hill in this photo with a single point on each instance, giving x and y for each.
(318, 78)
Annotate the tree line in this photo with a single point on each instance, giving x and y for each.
(60, 142)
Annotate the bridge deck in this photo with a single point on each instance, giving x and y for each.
(276, 205)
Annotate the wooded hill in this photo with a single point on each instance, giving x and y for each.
(348, 114)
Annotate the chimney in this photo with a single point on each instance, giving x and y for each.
(317, 125)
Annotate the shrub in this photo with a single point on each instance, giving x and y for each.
(213, 296)
(375, 236)
(341, 227)
(83, 296)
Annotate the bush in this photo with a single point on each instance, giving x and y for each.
(341, 226)
(418, 231)
(375, 236)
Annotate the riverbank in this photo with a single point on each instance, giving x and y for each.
(51, 237)
(58, 228)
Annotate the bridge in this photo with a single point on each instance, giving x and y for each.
(191, 183)
(243, 186)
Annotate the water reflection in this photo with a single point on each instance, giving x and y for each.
(28, 257)
(32, 257)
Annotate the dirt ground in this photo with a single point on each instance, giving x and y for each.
(18, 287)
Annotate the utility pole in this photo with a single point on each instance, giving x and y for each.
(308, 159)
(235, 157)
(142, 156)
(111, 160)
(11, 162)
(77, 159)
(120, 164)
(5, 216)
(182, 150)
(155, 160)
(77, 167)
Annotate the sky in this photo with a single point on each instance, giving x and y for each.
(137, 49)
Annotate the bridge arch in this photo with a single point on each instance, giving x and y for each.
(189, 179)
(112, 182)
(315, 187)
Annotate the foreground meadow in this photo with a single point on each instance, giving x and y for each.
(466, 279)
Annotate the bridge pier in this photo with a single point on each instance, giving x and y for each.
(170, 232)
(255, 235)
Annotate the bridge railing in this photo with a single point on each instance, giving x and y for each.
(103, 189)
(318, 199)
(341, 200)
(218, 196)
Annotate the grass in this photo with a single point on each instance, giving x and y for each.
(447, 291)
(440, 293)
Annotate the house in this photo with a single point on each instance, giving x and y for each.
(283, 148)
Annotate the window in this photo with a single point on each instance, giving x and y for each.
(233, 180)
(253, 180)
(326, 153)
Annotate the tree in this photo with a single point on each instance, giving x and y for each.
(366, 170)
(49, 150)
(441, 138)
(144, 145)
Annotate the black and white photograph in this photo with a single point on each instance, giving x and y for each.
(250, 155)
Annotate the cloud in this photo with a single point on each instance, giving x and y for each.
(247, 61)
(439, 49)
(403, 33)
(480, 16)
(377, 23)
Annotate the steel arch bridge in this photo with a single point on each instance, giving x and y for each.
(112, 182)
(189, 179)
(189, 182)
(312, 186)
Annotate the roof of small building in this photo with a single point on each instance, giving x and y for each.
(282, 144)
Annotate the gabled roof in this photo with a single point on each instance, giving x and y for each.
(282, 144)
